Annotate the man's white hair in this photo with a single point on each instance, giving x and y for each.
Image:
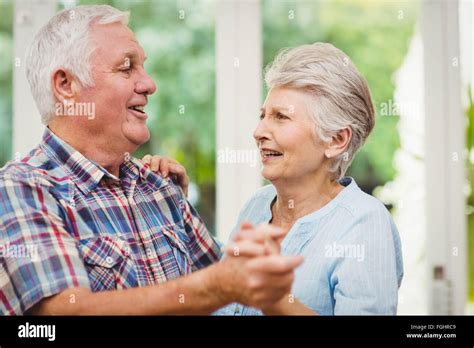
(341, 94)
(64, 42)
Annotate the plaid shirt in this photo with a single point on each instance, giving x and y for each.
(66, 222)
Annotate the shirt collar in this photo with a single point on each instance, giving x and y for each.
(85, 173)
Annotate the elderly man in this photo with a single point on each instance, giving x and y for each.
(111, 236)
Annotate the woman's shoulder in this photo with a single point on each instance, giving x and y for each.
(264, 192)
(258, 203)
(264, 195)
(362, 204)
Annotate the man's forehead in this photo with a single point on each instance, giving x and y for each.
(119, 48)
(117, 35)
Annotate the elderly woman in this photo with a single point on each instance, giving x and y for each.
(317, 115)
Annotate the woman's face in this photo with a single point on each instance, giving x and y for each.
(286, 135)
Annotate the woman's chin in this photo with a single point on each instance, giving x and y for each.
(269, 174)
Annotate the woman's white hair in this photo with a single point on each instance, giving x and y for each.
(341, 94)
(64, 43)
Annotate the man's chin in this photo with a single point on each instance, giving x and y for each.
(137, 135)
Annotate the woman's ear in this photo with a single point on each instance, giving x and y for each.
(339, 143)
(62, 85)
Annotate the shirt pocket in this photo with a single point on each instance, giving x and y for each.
(178, 241)
(108, 263)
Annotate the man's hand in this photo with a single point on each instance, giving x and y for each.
(253, 272)
(255, 243)
(168, 166)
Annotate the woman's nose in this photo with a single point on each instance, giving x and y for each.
(261, 132)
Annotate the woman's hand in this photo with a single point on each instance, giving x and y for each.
(168, 166)
(264, 241)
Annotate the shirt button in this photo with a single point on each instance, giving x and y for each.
(109, 260)
(126, 250)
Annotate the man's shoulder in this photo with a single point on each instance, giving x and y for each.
(155, 180)
(36, 169)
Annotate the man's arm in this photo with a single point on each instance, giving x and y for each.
(193, 294)
(259, 281)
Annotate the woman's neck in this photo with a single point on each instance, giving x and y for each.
(297, 198)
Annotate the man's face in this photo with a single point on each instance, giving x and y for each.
(120, 89)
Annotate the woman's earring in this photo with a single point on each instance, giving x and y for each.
(328, 155)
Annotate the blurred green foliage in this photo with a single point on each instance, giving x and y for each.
(6, 76)
(178, 37)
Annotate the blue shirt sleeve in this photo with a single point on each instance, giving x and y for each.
(367, 283)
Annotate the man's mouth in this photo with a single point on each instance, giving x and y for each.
(138, 108)
(138, 111)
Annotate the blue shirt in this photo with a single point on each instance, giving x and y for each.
(352, 254)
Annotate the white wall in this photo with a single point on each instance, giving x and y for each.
(238, 100)
(27, 127)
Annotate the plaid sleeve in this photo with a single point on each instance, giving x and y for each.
(204, 248)
(38, 257)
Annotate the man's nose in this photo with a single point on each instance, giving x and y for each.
(145, 84)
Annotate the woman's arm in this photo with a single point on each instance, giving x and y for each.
(288, 305)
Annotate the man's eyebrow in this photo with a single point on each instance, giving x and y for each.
(130, 56)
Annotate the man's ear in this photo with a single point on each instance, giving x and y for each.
(63, 85)
(339, 142)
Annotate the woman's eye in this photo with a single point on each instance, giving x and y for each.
(280, 116)
(262, 116)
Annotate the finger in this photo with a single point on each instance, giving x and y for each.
(261, 232)
(184, 183)
(177, 169)
(281, 279)
(245, 248)
(276, 264)
(146, 159)
(171, 160)
(165, 167)
(271, 246)
(155, 163)
(182, 178)
(245, 225)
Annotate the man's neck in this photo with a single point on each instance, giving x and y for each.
(93, 148)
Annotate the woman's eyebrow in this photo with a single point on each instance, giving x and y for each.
(277, 108)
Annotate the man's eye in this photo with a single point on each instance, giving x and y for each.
(262, 116)
(280, 116)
